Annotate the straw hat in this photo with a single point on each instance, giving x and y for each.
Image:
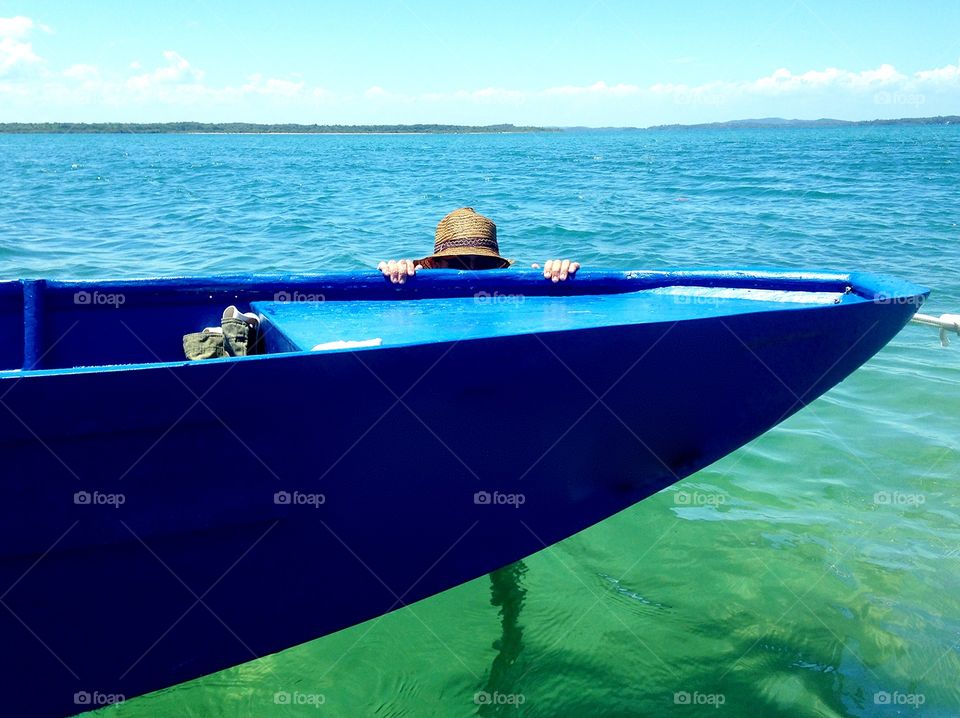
(464, 233)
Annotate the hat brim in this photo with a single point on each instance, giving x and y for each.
(468, 252)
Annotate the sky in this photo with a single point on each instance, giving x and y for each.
(526, 62)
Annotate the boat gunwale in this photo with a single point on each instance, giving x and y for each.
(876, 288)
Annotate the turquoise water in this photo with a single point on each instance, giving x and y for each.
(815, 572)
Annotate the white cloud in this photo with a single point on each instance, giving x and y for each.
(883, 75)
(779, 83)
(490, 95)
(668, 88)
(783, 80)
(272, 86)
(14, 89)
(383, 97)
(15, 26)
(488, 92)
(941, 75)
(597, 88)
(14, 49)
(82, 72)
(175, 88)
(711, 94)
(783, 83)
(176, 70)
(484, 95)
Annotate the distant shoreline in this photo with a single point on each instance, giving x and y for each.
(477, 132)
(244, 128)
(779, 123)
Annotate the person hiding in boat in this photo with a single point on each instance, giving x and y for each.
(467, 240)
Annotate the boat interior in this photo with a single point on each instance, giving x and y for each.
(58, 325)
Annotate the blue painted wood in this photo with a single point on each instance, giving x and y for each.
(139, 482)
(131, 318)
(11, 325)
(33, 316)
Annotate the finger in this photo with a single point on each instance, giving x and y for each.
(564, 267)
(411, 270)
(555, 270)
(574, 266)
(547, 268)
(418, 268)
(392, 267)
(535, 265)
(383, 268)
(401, 271)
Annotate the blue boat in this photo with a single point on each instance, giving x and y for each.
(162, 519)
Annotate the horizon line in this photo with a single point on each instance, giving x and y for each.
(440, 127)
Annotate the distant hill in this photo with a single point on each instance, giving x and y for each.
(778, 122)
(250, 128)
(153, 128)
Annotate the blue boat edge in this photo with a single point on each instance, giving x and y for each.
(25, 302)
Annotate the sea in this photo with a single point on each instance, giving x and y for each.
(814, 572)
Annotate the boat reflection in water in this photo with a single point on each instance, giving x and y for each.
(501, 693)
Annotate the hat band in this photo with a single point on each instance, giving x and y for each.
(483, 242)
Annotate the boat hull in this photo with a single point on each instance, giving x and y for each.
(169, 520)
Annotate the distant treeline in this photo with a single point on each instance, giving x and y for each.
(778, 122)
(151, 128)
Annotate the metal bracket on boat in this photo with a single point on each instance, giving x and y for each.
(946, 323)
